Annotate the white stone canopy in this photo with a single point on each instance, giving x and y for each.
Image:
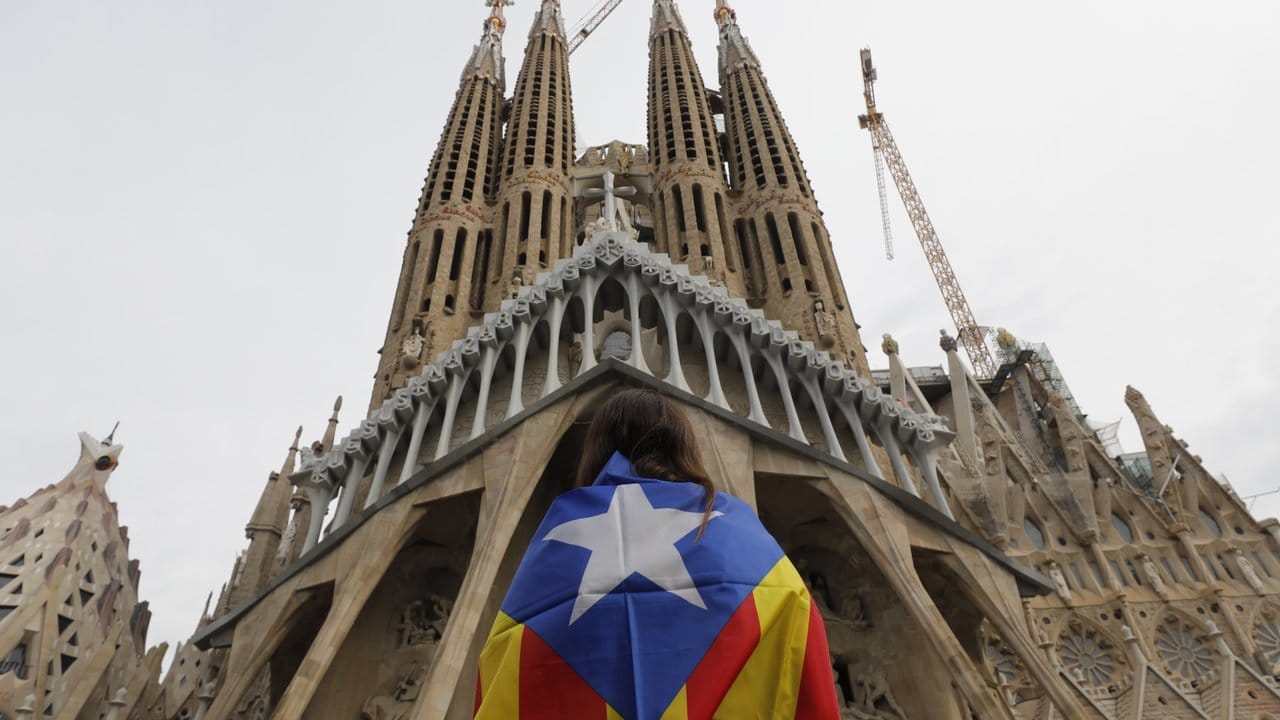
(499, 368)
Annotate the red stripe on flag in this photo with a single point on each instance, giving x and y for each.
(718, 669)
(550, 689)
(479, 695)
(817, 699)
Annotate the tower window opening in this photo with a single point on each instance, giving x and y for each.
(459, 247)
(677, 199)
(525, 202)
(786, 285)
(797, 235)
(699, 209)
(480, 269)
(477, 138)
(406, 282)
(775, 239)
(566, 228)
(723, 222)
(436, 241)
(448, 303)
(829, 265)
(501, 257)
(547, 204)
(744, 251)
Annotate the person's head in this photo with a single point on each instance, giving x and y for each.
(650, 431)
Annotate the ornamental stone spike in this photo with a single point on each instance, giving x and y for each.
(332, 431)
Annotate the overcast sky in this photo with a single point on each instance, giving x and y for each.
(203, 207)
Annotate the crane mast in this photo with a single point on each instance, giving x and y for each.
(591, 22)
(969, 333)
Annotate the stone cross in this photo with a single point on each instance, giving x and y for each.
(610, 193)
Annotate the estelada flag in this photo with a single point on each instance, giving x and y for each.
(620, 612)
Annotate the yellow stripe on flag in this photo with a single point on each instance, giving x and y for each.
(611, 714)
(500, 670)
(679, 708)
(769, 684)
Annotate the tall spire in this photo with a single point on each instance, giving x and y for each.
(451, 233)
(265, 530)
(690, 205)
(534, 217)
(788, 262)
(735, 51)
(487, 60)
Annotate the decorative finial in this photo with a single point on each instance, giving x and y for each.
(947, 342)
(724, 13)
(109, 439)
(497, 22)
(331, 432)
(889, 346)
(296, 438)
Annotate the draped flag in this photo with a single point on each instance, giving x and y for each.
(619, 612)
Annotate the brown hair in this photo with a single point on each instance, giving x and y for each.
(651, 432)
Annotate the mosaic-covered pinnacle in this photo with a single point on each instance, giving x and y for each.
(487, 60)
(735, 51)
(548, 21)
(666, 16)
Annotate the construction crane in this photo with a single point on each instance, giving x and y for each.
(970, 334)
(591, 22)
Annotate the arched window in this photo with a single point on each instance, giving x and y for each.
(1210, 523)
(1033, 532)
(1121, 526)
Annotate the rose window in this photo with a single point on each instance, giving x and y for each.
(1267, 635)
(1185, 651)
(1087, 656)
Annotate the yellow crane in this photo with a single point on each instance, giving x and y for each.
(886, 152)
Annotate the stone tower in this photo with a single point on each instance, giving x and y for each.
(72, 631)
(974, 550)
(690, 198)
(534, 197)
(443, 277)
(786, 250)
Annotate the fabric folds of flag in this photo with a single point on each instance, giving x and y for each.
(618, 611)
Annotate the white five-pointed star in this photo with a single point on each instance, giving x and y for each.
(631, 537)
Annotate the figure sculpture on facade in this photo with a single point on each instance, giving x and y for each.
(411, 349)
(399, 704)
(1059, 581)
(423, 625)
(1250, 573)
(873, 699)
(824, 323)
(1153, 574)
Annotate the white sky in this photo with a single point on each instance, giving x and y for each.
(203, 207)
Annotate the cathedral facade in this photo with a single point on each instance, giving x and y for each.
(975, 550)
